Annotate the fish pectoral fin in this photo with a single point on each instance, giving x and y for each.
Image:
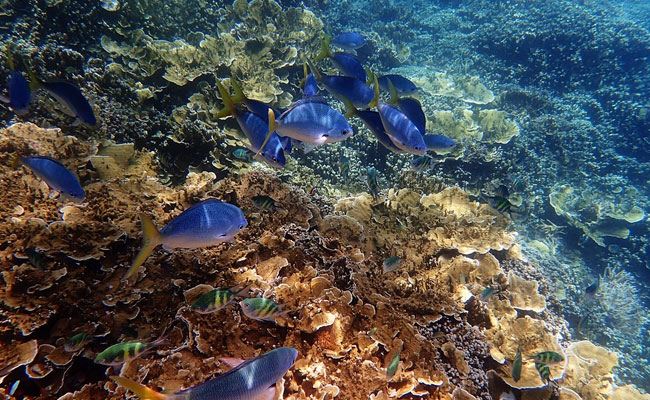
(231, 361)
(307, 147)
(268, 394)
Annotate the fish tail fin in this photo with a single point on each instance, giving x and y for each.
(239, 94)
(141, 391)
(314, 71)
(375, 101)
(228, 105)
(305, 71)
(351, 109)
(324, 49)
(369, 75)
(272, 126)
(394, 97)
(243, 292)
(34, 82)
(150, 241)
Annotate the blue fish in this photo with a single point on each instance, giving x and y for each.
(349, 41)
(399, 128)
(250, 379)
(371, 180)
(372, 120)
(257, 107)
(69, 95)
(261, 135)
(20, 95)
(56, 176)
(403, 85)
(346, 63)
(313, 123)
(206, 223)
(345, 87)
(438, 143)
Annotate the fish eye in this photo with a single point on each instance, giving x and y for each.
(417, 148)
(274, 158)
(326, 135)
(223, 235)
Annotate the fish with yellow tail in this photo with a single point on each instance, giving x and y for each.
(252, 379)
(205, 224)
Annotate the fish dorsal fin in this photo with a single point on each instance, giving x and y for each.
(239, 96)
(231, 361)
(228, 105)
(375, 101)
(324, 48)
(394, 97)
(314, 71)
(351, 109)
(272, 126)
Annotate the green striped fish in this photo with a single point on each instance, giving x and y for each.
(548, 357)
(261, 309)
(517, 365)
(76, 342)
(263, 202)
(216, 299)
(120, 353)
(544, 371)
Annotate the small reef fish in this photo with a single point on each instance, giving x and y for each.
(313, 123)
(69, 96)
(516, 183)
(399, 128)
(204, 224)
(421, 163)
(391, 264)
(487, 293)
(20, 94)
(517, 365)
(312, 190)
(56, 176)
(345, 87)
(349, 41)
(500, 204)
(439, 143)
(76, 342)
(263, 202)
(242, 154)
(404, 86)
(344, 168)
(371, 332)
(544, 371)
(120, 353)
(110, 5)
(216, 299)
(261, 135)
(371, 180)
(261, 309)
(346, 63)
(391, 368)
(14, 388)
(591, 290)
(372, 120)
(548, 357)
(252, 379)
(35, 258)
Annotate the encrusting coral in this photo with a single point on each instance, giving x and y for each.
(346, 317)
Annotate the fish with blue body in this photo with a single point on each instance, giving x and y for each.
(439, 143)
(371, 180)
(261, 135)
(20, 94)
(401, 131)
(313, 122)
(309, 83)
(346, 63)
(257, 107)
(69, 96)
(372, 120)
(57, 176)
(349, 41)
(345, 87)
(403, 85)
(204, 224)
(252, 379)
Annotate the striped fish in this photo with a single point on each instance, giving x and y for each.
(263, 202)
(216, 299)
(261, 309)
(549, 357)
(120, 353)
(252, 379)
(544, 371)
